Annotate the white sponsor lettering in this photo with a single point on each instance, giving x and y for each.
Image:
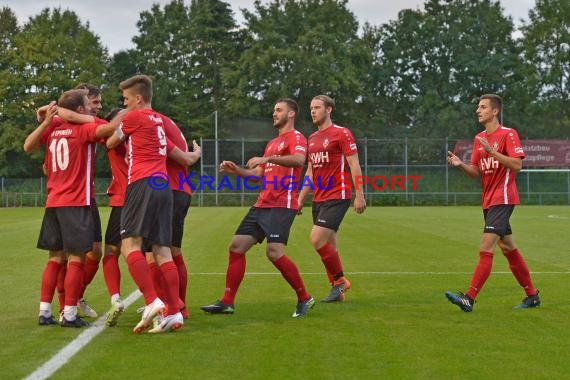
(62, 132)
(318, 157)
(488, 163)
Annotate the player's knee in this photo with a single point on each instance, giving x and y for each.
(273, 254)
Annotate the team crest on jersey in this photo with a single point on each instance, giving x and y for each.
(496, 145)
(326, 142)
(281, 146)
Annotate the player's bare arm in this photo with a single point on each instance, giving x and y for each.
(229, 167)
(186, 158)
(106, 130)
(290, 161)
(513, 163)
(33, 140)
(305, 190)
(356, 172)
(470, 170)
(74, 117)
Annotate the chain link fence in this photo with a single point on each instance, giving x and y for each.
(408, 172)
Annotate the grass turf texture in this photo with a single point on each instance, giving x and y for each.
(396, 322)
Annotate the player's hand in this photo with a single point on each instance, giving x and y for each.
(41, 112)
(51, 111)
(228, 167)
(453, 160)
(256, 161)
(196, 148)
(483, 141)
(359, 204)
(300, 209)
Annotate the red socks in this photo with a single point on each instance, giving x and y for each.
(112, 274)
(73, 282)
(49, 281)
(171, 282)
(331, 260)
(520, 271)
(290, 272)
(91, 267)
(182, 276)
(61, 285)
(158, 280)
(234, 276)
(138, 268)
(482, 272)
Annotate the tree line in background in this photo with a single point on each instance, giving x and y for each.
(417, 76)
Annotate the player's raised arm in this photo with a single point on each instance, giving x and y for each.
(33, 140)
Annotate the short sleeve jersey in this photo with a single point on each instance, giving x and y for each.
(279, 186)
(176, 172)
(328, 149)
(498, 182)
(118, 186)
(146, 143)
(70, 152)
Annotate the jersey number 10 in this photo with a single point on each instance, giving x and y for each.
(59, 150)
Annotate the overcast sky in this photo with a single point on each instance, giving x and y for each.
(114, 21)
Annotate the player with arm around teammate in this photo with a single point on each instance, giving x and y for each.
(67, 227)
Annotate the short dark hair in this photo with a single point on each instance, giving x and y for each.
(293, 106)
(496, 101)
(72, 99)
(112, 113)
(327, 100)
(93, 90)
(140, 84)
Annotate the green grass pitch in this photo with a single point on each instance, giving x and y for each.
(395, 323)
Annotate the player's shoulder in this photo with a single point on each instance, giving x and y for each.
(298, 135)
(339, 129)
(507, 130)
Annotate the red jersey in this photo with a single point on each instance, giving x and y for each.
(119, 169)
(328, 150)
(175, 171)
(279, 186)
(56, 121)
(146, 143)
(499, 186)
(70, 152)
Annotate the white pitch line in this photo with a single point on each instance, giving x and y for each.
(65, 354)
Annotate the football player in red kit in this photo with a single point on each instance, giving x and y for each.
(497, 157)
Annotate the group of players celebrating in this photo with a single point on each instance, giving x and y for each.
(146, 223)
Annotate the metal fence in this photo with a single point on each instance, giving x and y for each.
(408, 172)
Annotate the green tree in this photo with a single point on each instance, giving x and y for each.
(185, 50)
(431, 66)
(10, 132)
(216, 46)
(123, 65)
(53, 52)
(546, 41)
(299, 49)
